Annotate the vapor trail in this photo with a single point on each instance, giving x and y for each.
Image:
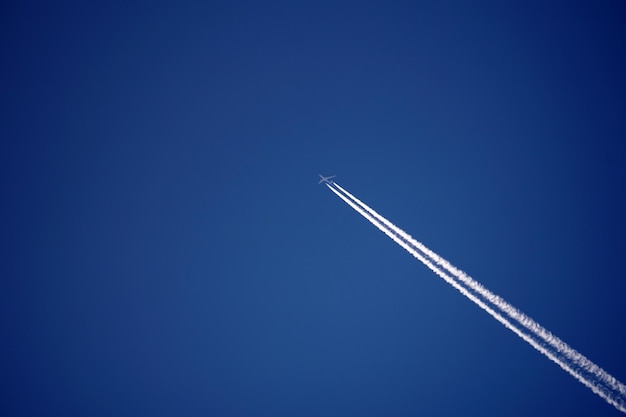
(563, 348)
(397, 235)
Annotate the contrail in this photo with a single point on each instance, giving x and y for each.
(405, 241)
(538, 330)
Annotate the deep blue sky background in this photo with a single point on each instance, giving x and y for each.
(167, 250)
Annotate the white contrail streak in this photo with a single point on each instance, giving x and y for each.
(397, 235)
(562, 347)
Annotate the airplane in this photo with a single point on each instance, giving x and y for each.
(326, 179)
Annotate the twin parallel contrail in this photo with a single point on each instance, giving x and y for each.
(577, 365)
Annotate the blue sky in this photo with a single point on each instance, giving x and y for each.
(167, 250)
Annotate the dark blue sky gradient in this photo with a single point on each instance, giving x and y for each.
(167, 251)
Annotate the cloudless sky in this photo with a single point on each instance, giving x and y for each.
(166, 249)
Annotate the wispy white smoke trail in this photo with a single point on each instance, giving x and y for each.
(398, 236)
(563, 348)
